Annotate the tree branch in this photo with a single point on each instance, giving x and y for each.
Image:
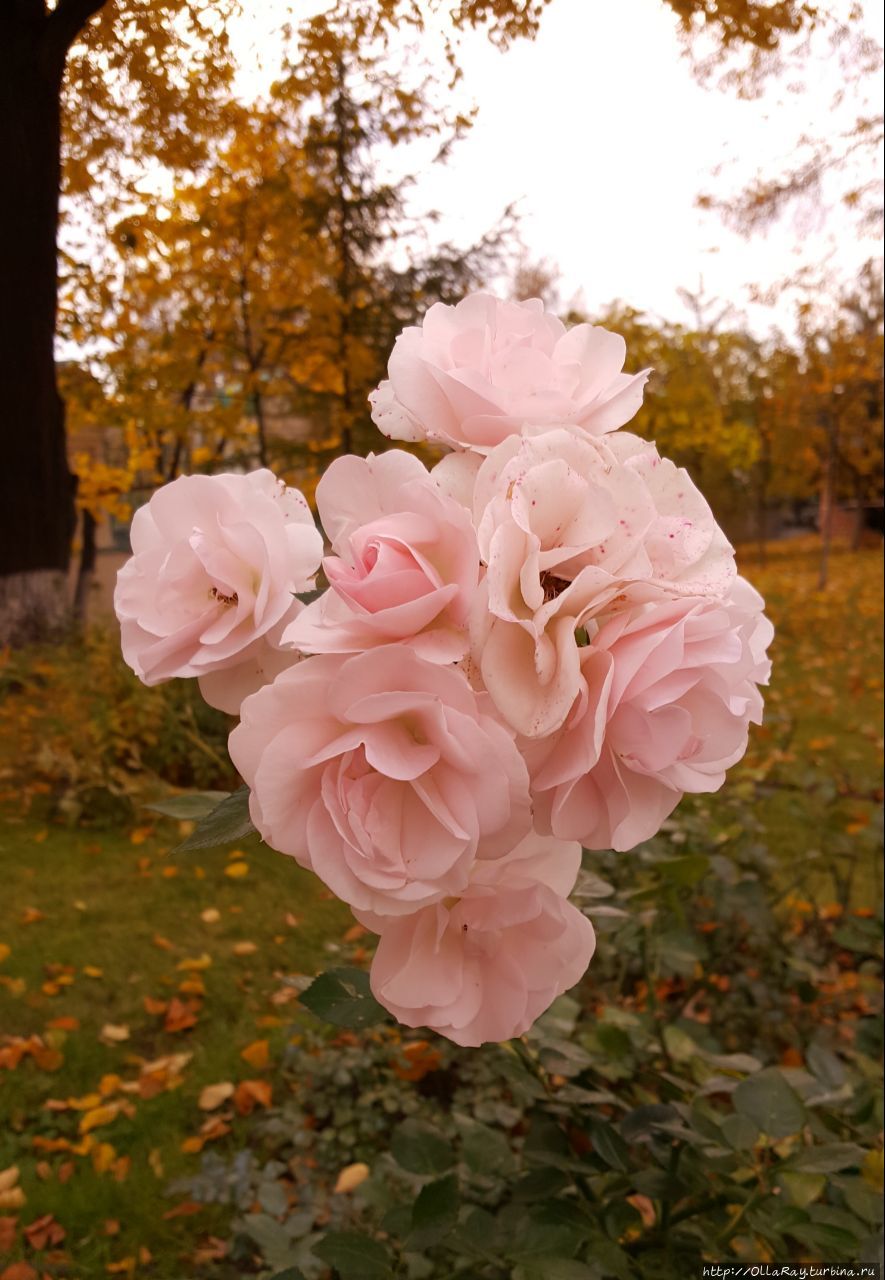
(65, 23)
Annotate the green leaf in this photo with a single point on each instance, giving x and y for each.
(549, 1268)
(861, 1200)
(420, 1149)
(613, 1041)
(685, 871)
(227, 822)
(610, 1146)
(836, 1239)
(539, 1184)
(546, 1143)
(833, 1157)
(554, 1227)
(740, 1132)
(190, 806)
(308, 597)
(485, 1151)
(769, 1102)
(824, 1064)
(272, 1239)
(680, 1046)
(802, 1188)
(273, 1199)
(343, 997)
(354, 1256)
(590, 885)
(642, 1122)
(434, 1213)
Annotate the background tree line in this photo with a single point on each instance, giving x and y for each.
(238, 310)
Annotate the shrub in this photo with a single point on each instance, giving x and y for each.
(710, 1092)
(86, 736)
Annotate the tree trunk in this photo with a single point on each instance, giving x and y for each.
(36, 489)
(86, 569)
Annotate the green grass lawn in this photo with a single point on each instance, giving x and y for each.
(116, 953)
(106, 931)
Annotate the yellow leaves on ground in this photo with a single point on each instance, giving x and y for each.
(252, 1093)
(125, 1267)
(352, 1176)
(244, 948)
(257, 1054)
(44, 1055)
(181, 1015)
(44, 1232)
(113, 1033)
(195, 964)
(236, 870)
(5, 951)
(99, 1116)
(214, 1095)
(210, 916)
(212, 1128)
(11, 1194)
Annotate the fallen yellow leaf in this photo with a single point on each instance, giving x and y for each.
(210, 916)
(93, 971)
(126, 1266)
(195, 963)
(236, 870)
(103, 1157)
(8, 1177)
(14, 1198)
(351, 1177)
(214, 1095)
(5, 951)
(244, 948)
(113, 1034)
(86, 1103)
(257, 1054)
(98, 1116)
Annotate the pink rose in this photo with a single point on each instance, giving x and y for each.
(382, 773)
(485, 369)
(667, 692)
(258, 665)
(405, 565)
(216, 561)
(570, 527)
(484, 967)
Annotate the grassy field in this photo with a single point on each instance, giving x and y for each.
(133, 980)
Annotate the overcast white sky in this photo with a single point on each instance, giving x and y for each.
(602, 135)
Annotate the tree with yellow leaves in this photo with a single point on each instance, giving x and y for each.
(102, 85)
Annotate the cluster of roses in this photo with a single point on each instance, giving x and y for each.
(538, 644)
